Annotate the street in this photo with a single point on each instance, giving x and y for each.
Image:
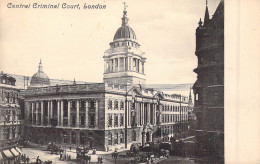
(33, 152)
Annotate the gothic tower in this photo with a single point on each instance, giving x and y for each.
(124, 61)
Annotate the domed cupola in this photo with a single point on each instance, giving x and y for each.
(39, 78)
(125, 32)
(124, 61)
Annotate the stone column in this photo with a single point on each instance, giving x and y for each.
(48, 112)
(143, 113)
(113, 121)
(154, 114)
(51, 114)
(61, 112)
(58, 112)
(110, 66)
(86, 115)
(32, 113)
(114, 65)
(160, 114)
(138, 64)
(69, 113)
(143, 138)
(118, 68)
(124, 64)
(36, 113)
(137, 113)
(96, 114)
(129, 61)
(129, 113)
(77, 114)
(105, 66)
(41, 112)
(142, 67)
(148, 113)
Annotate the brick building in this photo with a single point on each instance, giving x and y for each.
(209, 87)
(102, 115)
(10, 120)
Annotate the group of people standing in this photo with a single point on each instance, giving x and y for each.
(23, 159)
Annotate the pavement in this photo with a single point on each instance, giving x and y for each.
(33, 151)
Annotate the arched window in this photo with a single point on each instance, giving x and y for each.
(73, 138)
(82, 138)
(122, 137)
(116, 105)
(133, 135)
(65, 137)
(110, 138)
(116, 138)
(109, 104)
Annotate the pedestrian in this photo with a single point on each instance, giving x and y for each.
(60, 155)
(24, 158)
(70, 148)
(38, 161)
(28, 159)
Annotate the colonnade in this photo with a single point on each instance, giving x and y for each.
(124, 64)
(58, 108)
(145, 113)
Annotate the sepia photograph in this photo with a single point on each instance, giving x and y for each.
(127, 82)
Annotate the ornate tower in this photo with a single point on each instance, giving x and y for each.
(124, 61)
(209, 88)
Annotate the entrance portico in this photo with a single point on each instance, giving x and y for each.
(147, 133)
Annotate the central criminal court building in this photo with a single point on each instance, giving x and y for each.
(93, 114)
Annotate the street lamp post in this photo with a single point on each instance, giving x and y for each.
(114, 155)
(65, 138)
(180, 116)
(133, 113)
(126, 117)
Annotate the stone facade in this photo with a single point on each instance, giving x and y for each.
(107, 115)
(124, 61)
(10, 117)
(94, 115)
(209, 87)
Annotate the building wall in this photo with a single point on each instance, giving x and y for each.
(53, 104)
(10, 121)
(209, 87)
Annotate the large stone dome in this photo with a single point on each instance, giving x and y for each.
(125, 32)
(40, 78)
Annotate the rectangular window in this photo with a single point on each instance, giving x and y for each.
(116, 105)
(92, 120)
(109, 104)
(109, 120)
(116, 120)
(122, 105)
(122, 120)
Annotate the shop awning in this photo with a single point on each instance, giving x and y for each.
(1, 157)
(19, 150)
(8, 154)
(14, 152)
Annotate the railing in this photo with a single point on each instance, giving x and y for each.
(65, 88)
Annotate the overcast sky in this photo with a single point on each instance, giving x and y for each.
(71, 43)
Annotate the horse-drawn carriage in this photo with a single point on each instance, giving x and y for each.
(82, 153)
(54, 148)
